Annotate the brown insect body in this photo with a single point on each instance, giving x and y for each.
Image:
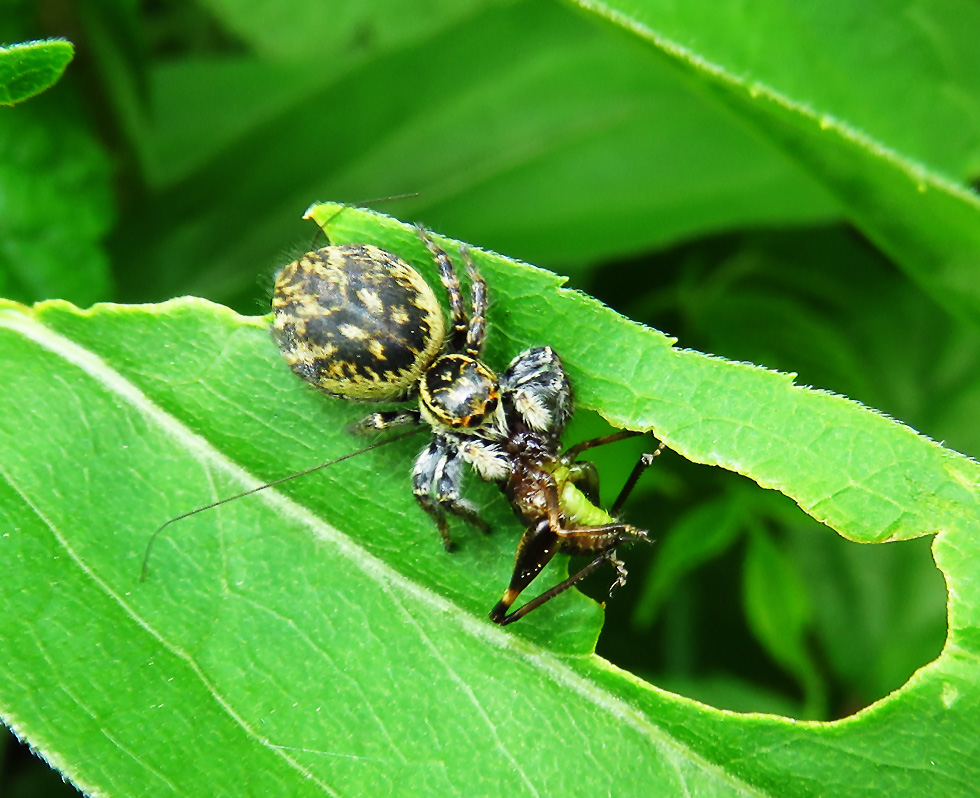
(556, 498)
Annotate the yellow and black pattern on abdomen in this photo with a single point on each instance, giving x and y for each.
(357, 321)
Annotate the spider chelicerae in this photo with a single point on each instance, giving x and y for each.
(359, 322)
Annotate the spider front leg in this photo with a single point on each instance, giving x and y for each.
(450, 281)
(476, 331)
(437, 481)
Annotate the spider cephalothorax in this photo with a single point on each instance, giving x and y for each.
(359, 322)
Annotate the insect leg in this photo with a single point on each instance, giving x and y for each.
(645, 461)
(623, 434)
(543, 541)
(498, 614)
(536, 549)
(584, 475)
(621, 572)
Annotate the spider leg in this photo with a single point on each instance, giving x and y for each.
(437, 484)
(450, 281)
(477, 331)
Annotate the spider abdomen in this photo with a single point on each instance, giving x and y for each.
(356, 321)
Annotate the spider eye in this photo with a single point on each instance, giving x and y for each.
(459, 391)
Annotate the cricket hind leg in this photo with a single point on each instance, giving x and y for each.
(543, 540)
(540, 544)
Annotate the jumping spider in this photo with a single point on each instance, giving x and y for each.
(359, 322)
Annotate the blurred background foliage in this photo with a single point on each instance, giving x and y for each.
(186, 140)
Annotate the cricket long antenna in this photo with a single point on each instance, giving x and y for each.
(389, 198)
(153, 537)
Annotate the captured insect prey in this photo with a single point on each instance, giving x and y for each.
(360, 323)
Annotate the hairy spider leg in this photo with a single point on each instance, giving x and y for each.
(437, 481)
(450, 281)
(536, 386)
(476, 333)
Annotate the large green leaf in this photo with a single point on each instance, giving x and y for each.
(882, 127)
(316, 639)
